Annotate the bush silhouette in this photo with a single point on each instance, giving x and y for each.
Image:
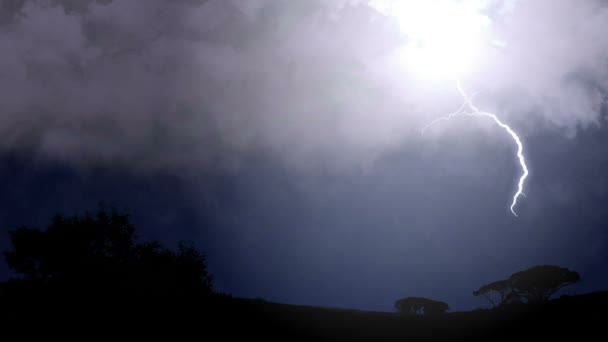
(421, 306)
(84, 254)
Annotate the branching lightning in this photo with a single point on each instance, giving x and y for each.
(445, 40)
(474, 111)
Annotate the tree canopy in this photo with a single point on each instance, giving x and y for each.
(100, 253)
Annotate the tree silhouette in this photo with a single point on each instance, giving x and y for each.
(539, 283)
(421, 306)
(502, 288)
(99, 253)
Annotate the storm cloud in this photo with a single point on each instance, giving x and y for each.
(174, 84)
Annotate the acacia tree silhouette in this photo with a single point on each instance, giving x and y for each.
(421, 306)
(99, 254)
(537, 284)
(501, 287)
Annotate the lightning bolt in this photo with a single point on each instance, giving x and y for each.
(474, 111)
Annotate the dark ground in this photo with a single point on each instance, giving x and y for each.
(581, 317)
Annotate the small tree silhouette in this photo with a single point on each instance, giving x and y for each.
(502, 288)
(421, 306)
(99, 253)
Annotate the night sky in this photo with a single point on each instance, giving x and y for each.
(283, 139)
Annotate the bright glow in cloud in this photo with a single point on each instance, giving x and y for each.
(444, 36)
